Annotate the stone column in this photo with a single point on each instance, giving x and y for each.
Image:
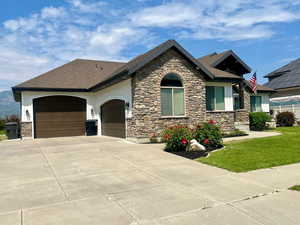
(241, 95)
(26, 129)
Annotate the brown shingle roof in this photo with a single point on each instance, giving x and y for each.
(208, 60)
(260, 88)
(211, 58)
(86, 75)
(77, 74)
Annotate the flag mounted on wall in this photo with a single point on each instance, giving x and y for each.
(253, 83)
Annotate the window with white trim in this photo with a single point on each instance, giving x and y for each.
(255, 103)
(215, 98)
(172, 96)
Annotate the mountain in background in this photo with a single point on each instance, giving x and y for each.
(8, 106)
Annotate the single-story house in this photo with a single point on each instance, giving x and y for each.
(286, 81)
(162, 87)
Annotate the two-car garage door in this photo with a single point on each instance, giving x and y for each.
(62, 116)
(59, 116)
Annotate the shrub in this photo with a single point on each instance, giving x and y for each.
(208, 134)
(258, 120)
(176, 138)
(2, 124)
(285, 119)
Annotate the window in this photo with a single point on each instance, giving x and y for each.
(172, 96)
(215, 96)
(255, 103)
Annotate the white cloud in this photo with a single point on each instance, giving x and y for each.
(173, 14)
(214, 19)
(24, 24)
(112, 39)
(52, 12)
(90, 7)
(34, 44)
(17, 66)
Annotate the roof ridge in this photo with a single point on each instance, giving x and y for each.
(95, 60)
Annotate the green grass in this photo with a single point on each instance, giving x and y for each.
(2, 135)
(258, 153)
(295, 188)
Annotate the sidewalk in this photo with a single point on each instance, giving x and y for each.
(252, 134)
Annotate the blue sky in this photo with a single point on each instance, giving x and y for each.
(36, 36)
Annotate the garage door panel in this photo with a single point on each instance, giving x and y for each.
(59, 116)
(113, 119)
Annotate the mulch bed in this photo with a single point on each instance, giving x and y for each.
(193, 154)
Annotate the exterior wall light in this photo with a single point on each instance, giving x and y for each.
(27, 115)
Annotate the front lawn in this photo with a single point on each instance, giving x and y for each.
(295, 188)
(258, 153)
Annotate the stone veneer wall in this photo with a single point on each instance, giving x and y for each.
(146, 113)
(242, 115)
(247, 101)
(224, 119)
(26, 129)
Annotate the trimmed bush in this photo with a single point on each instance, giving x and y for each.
(285, 119)
(176, 138)
(258, 120)
(208, 134)
(2, 124)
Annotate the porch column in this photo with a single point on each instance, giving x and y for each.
(241, 95)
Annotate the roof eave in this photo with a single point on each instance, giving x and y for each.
(17, 90)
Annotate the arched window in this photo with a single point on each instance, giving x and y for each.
(172, 95)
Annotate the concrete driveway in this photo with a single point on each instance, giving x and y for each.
(107, 181)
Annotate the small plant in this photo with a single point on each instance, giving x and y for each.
(176, 138)
(258, 120)
(235, 133)
(285, 119)
(208, 134)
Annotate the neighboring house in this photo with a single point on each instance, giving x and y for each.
(163, 87)
(286, 82)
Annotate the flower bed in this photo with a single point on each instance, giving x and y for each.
(177, 138)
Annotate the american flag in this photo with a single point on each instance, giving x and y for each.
(253, 82)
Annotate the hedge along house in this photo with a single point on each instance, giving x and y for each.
(163, 87)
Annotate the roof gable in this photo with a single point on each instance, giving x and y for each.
(225, 55)
(140, 61)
